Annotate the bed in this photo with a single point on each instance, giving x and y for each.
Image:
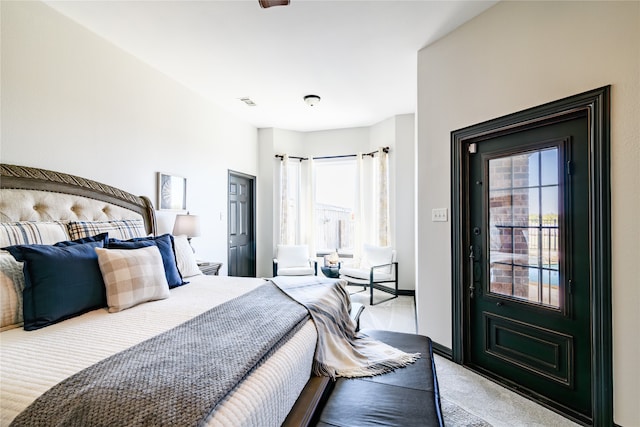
(45, 207)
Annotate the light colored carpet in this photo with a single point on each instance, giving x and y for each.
(490, 401)
(455, 416)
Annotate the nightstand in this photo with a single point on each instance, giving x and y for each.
(209, 268)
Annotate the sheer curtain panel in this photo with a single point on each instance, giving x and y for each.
(383, 197)
(287, 231)
(309, 208)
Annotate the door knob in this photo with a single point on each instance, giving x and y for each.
(499, 303)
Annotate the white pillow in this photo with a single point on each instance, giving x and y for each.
(185, 258)
(132, 276)
(377, 255)
(293, 256)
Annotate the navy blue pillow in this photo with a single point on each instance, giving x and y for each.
(60, 282)
(102, 237)
(165, 245)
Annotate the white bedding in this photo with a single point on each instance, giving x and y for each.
(32, 362)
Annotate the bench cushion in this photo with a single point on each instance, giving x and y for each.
(405, 397)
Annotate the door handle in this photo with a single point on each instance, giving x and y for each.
(471, 267)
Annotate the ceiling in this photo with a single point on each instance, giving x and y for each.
(360, 57)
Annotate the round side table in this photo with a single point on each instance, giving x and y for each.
(331, 272)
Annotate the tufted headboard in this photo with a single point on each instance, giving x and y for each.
(32, 194)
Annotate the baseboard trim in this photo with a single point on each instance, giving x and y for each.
(443, 351)
(407, 292)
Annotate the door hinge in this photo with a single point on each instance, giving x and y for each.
(569, 167)
(570, 283)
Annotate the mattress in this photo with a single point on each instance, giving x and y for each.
(32, 362)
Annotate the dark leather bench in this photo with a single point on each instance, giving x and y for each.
(405, 397)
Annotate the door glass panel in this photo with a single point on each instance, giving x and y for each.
(523, 226)
(549, 166)
(501, 178)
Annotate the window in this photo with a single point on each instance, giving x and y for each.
(335, 200)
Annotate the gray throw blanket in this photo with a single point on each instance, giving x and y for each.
(340, 351)
(178, 377)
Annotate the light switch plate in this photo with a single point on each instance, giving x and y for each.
(439, 215)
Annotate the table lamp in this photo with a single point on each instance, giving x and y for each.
(188, 225)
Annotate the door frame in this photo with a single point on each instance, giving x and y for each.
(597, 105)
(252, 183)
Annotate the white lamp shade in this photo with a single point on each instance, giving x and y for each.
(187, 225)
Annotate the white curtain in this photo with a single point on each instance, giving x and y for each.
(383, 198)
(310, 208)
(359, 211)
(287, 232)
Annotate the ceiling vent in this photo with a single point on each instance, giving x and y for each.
(248, 101)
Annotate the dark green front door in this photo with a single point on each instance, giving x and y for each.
(528, 285)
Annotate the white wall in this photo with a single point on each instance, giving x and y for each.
(403, 203)
(266, 200)
(74, 103)
(335, 142)
(514, 56)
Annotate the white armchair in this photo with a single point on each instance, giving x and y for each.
(293, 260)
(378, 268)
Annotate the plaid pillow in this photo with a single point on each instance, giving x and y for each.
(11, 286)
(132, 276)
(123, 229)
(31, 233)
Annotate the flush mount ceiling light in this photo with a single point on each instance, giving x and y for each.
(311, 100)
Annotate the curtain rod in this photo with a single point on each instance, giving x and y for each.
(373, 153)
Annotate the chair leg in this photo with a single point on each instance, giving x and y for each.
(396, 276)
(371, 292)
